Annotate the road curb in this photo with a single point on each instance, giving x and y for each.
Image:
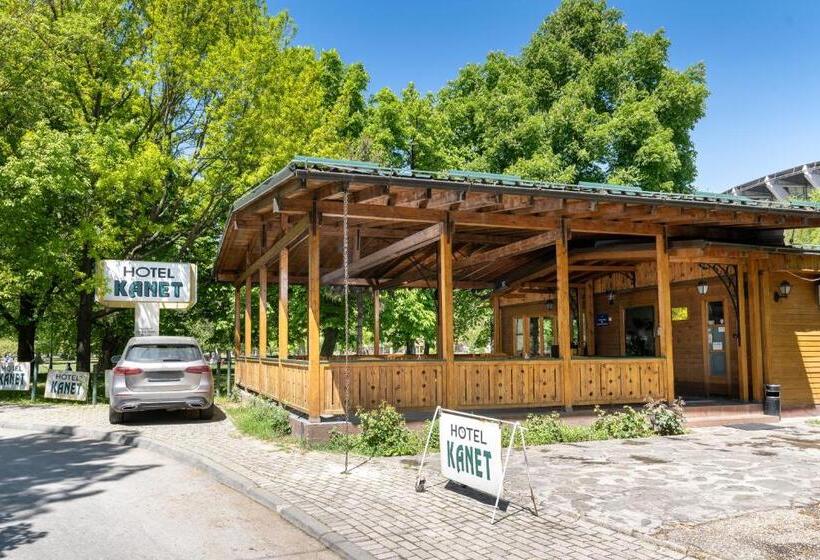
(294, 515)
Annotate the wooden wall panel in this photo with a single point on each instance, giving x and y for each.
(793, 341)
(508, 383)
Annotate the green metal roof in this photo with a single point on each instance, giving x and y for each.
(511, 182)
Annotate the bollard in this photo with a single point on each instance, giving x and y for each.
(94, 386)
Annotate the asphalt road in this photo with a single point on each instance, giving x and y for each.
(71, 498)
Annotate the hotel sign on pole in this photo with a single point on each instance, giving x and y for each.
(130, 283)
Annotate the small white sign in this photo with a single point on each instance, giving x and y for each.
(127, 283)
(67, 385)
(717, 346)
(471, 452)
(15, 376)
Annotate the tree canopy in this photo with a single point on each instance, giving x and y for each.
(129, 127)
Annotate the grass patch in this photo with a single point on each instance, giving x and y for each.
(261, 419)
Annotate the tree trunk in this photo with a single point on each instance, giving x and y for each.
(410, 347)
(26, 329)
(85, 310)
(359, 320)
(110, 345)
(329, 343)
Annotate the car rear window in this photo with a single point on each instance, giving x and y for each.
(163, 353)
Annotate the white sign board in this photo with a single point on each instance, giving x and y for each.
(67, 385)
(128, 283)
(471, 452)
(15, 376)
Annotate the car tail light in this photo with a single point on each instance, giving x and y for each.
(119, 370)
(198, 369)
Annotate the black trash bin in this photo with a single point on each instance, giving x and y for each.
(771, 406)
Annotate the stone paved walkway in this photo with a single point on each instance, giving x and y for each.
(710, 474)
(376, 505)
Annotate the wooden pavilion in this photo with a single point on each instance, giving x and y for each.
(601, 293)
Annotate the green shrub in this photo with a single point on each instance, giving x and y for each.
(626, 424)
(261, 419)
(544, 429)
(384, 433)
(434, 437)
(666, 420)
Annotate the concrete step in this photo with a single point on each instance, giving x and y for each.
(712, 410)
(719, 420)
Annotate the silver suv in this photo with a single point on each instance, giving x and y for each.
(161, 373)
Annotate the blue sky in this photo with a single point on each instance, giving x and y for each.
(761, 61)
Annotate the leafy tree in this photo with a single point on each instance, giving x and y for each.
(585, 101)
(404, 131)
(409, 316)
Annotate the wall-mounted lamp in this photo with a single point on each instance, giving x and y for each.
(783, 290)
(703, 287)
(550, 304)
(610, 297)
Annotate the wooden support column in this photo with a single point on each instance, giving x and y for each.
(377, 326)
(314, 386)
(248, 318)
(665, 312)
(445, 313)
(564, 321)
(283, 297)
(263, 312)
(767, 301)
(237, 320)
(743, 338)
(497, 344)
(589, 313)
(755, 332)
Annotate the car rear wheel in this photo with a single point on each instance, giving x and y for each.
(115, 417)
(207, 413)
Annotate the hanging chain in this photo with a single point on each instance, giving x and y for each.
(346, 260)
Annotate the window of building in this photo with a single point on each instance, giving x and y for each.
(639, 331)
(680, 313)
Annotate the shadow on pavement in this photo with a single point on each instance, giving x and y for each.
(38, 470)
(154, 417)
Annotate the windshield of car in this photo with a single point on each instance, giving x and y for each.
(163, 353)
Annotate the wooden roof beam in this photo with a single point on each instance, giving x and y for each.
(296, 231)
(515, 248)
(409, 244)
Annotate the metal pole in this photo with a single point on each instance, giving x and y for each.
(527, 464)
(419, 481)
(228, 368)
(504, 472)
(33, 379)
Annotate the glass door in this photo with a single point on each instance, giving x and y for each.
(717, 367)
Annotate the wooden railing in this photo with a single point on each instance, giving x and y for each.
(404, 384)
(617, 380)
(477, 383)
(285, 382)
(508, 383)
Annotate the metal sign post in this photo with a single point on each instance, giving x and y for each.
(470, 447)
